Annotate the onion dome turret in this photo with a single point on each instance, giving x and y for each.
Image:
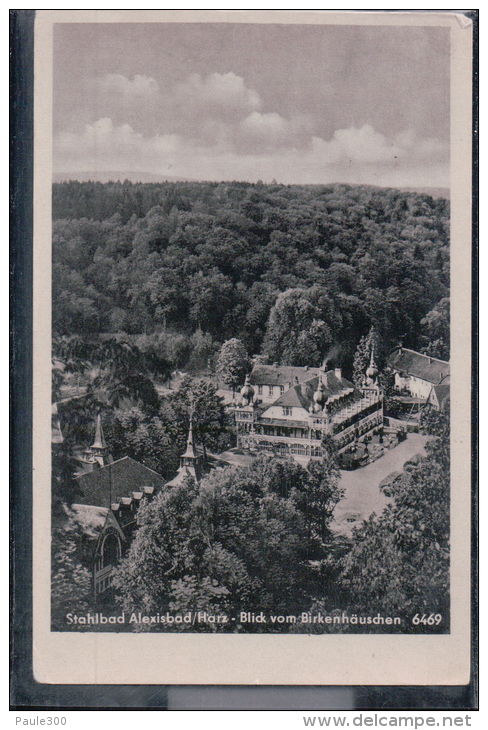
(319, 397)
(247, 392)
(372, 371)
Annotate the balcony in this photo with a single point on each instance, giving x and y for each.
(287, 440)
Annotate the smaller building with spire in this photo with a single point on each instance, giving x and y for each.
(110, 494)
(104, 482)
(97, 455)
(192, 463)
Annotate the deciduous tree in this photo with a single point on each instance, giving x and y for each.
(232, 363)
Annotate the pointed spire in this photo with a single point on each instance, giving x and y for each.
(372, 363)
(99, 442)
(190, 461)
(190, 447)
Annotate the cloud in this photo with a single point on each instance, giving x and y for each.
(362, 145)
(103, 144)
(220, 112)
(427, 148)
(271, 130)
(213, 96)
(208, 108)
(137, 87)
(102, 137)
(216, 91)
(354, 154)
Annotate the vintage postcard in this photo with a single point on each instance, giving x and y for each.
(252, 356)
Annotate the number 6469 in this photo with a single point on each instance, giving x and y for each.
(431, 619)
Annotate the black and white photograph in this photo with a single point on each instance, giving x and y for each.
(250, 328)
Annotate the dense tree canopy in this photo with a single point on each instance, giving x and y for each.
(435, 331)
(117, 368)
(71, 582)
(214, 257)
(297, 332)
(242, 539)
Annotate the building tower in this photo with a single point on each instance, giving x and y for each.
(372, 371)
(98, 454)
(247, 392)
(244, 413)
(191, 462)
(319, 397)
(99, 449)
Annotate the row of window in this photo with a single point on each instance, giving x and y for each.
(354, 433)
(270, 389)
(297, 449)
(357, 417)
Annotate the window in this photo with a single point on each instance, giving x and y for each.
(260, 390)
(111, 550)
(270, 390)
(286, 411)
(282, 389)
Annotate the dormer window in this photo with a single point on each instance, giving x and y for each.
(286, 410)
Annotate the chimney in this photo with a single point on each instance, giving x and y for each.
(324, 365)
(338, 373)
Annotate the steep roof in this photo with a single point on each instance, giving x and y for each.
(280, 374)
(421, 366)
(182, 473)
(442, 394)
(292, 397)
(110, 483)
(301, 395)
(92, 521)
(190, 452)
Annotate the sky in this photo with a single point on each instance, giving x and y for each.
(218, 101)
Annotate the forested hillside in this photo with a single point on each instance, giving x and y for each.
(203, 262)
